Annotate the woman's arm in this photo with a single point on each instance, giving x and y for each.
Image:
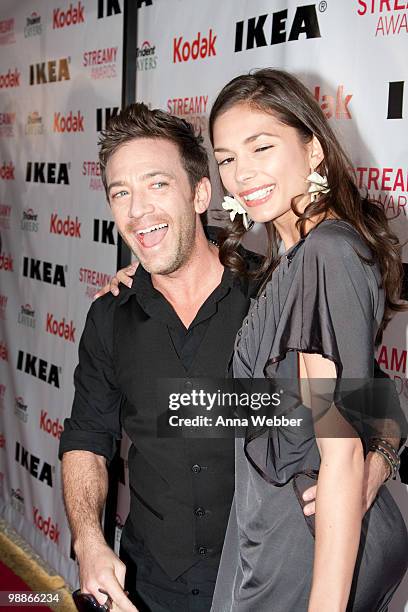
(338, 501)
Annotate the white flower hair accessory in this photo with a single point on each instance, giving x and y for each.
(235, 208)
(318, 184)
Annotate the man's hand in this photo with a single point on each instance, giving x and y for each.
(123, 276)
(376, 472)
(100, 568)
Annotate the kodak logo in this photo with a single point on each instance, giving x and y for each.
(6, 262)
(62, 328)
(72, 16)
(47, 526)
(66, 227)
(69, 123)
(10, 79)
(52, 427)
(200, 48)
(7, 171)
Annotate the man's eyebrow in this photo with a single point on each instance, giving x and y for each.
(143, 177)
(115, 184)
(247, 141)
(154, 173)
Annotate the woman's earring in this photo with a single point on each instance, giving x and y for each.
(318, 184)
(235, 208)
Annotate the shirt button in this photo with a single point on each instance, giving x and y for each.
(199, 511)
(188, 384)
(196, 468)
(202, 550)
(195, 592)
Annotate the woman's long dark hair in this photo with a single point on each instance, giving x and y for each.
(284, 96)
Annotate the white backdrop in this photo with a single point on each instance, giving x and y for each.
(66, 62)
(60, 78)
(351, 54)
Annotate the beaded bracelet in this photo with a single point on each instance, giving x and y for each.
(386, 450)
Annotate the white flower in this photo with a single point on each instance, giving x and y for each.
(235, 207)
(318, 185)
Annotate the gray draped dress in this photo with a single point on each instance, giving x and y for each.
(322, 298)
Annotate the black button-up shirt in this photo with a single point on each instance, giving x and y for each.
(181, 489)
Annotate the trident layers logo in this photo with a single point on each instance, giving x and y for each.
(33, 25)
(146, 56)
(29, 221)
(26, 316)
(34, 125)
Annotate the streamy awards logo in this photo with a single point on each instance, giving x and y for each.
(389, 186)
(3, 313)
(92, 171)
(93, 280)
(191, 108)
(390, 16)
(101, 63)
(7, 34)
(5, 216)
(7, 125)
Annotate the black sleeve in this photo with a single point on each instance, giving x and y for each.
(94, 424)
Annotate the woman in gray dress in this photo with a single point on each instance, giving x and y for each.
(319, 316)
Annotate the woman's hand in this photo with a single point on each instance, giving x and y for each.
(123, 276)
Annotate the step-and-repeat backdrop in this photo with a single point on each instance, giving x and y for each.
(351, 54)
(60, 79)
